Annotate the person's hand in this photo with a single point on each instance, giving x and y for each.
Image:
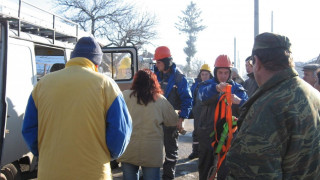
(180, 125)
(235, 99)
(220, 87)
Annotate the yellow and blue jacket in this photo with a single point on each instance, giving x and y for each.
(76, 121)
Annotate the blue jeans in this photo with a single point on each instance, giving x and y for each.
(131, 172)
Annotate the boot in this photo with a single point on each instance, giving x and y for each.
(195, 150)
(193, 155)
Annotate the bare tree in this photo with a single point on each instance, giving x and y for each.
(192, 70)
(112, 19)
(195, 68)
(134, 29)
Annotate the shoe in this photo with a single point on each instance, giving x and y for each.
(193, 155)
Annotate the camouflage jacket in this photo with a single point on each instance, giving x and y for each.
(280, 133)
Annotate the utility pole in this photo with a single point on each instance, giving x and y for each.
(256, 17)
(235, 52)
(239, 65)
(272, 21)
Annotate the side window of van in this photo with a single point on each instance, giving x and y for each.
(48, 60)
(46, 63)
(118, 66)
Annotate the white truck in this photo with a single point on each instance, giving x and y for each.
(28, 36)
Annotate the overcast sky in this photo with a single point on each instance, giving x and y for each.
(229, 19)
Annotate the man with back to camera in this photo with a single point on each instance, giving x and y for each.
(76, 119)
(280, 133)
(176, 89)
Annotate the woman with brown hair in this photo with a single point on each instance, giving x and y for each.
(149, 110)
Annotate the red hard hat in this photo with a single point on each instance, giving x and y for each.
(162, 52)
(223, 61)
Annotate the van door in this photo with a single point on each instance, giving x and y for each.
(120, 63)
(20, 80)
(3, 69)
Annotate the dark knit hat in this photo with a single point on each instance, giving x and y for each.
(88, 48)
(271, 40)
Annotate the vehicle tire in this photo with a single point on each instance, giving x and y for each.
(11, 171)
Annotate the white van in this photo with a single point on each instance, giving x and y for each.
(29, 47)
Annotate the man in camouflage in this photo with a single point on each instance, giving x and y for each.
(280, 133)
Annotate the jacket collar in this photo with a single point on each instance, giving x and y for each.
(172, 69)
(83, 62)
(278, 78)
(250, 75)
(272, 82)
(160, 74)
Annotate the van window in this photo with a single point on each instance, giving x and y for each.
(118, 66)
(48, 58)
(44, 64)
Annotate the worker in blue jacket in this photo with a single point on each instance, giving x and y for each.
(175, 87)
(209, 94)
(204, 75)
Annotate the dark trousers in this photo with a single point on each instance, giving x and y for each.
(171, 149)
(206, 154)
(208, 159)
(195, 139)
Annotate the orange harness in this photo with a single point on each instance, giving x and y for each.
(226, 112)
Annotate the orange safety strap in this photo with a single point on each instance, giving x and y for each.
(216, 116)
(226, 112)
(229, 114)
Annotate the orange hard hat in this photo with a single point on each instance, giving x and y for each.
(223, 61)
(162, 52)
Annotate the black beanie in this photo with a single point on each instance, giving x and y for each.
(88, 48)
